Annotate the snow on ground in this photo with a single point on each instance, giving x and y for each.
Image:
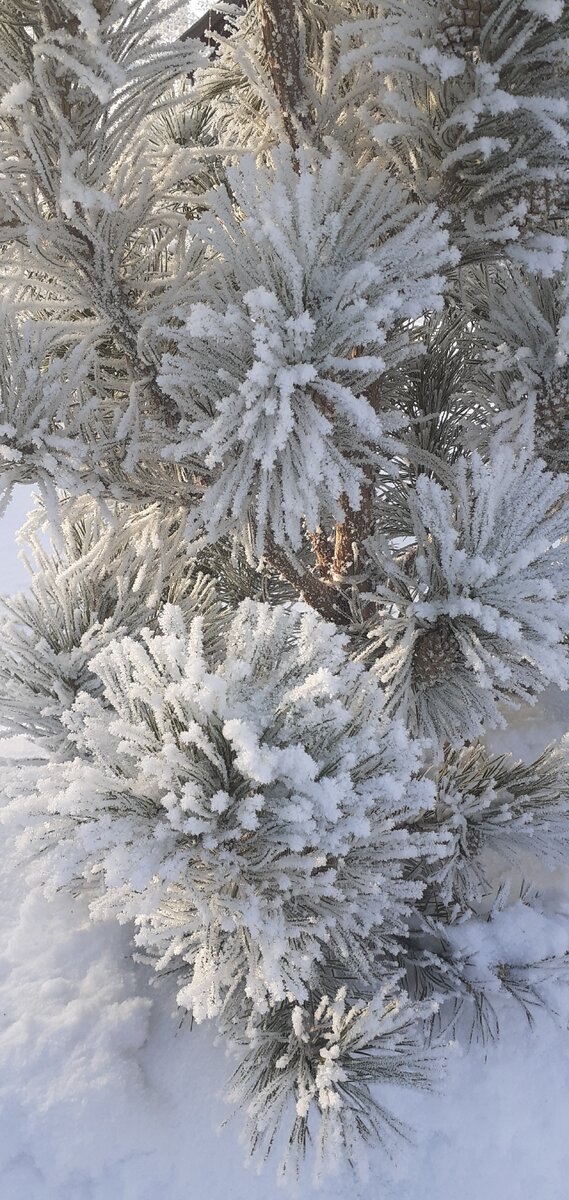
(182, 20)
(105, 1096)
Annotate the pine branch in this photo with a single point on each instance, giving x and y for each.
(323, 597)
(112, 306)
(282, 46)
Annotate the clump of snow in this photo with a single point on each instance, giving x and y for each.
(552, 10)
(16, 96)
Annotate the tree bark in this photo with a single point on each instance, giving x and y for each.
(325, 598)
(279, 27)
(350, 534)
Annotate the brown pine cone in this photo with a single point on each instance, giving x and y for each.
(434, 652)
(552, 420)
(461, 23)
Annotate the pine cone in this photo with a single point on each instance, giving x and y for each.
(552, 419)
(474, 839)
(434, 652)
(461, 23)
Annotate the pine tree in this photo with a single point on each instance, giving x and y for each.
(283, 346)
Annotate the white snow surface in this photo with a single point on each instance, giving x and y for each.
(176, 23)
(104, 1095)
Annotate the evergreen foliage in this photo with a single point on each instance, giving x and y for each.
(239, 801)
(284, 346)
(106, 577)
(478, 611)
